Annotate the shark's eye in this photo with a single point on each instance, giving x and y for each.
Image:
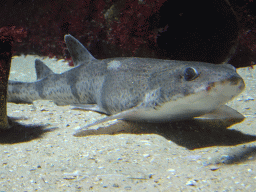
(190, 73)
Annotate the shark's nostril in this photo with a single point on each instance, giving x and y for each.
(242, 85)
(234, 80)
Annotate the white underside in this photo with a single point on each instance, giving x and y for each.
(187, 107)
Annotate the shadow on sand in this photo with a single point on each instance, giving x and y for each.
(21, 133)
(192, 134)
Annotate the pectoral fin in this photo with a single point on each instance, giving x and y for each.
(119, 116)
(224, 112)
(89, 107)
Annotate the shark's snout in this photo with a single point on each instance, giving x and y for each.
(236, 80)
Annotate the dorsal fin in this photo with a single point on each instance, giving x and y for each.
(42, 70)
(77, 51)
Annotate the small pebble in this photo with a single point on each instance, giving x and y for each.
(214, 168)
(127, 188)
(191, 183)
(115, 185)
(146, 155)
(249, 99)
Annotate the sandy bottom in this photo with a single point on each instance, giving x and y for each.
(40, 152)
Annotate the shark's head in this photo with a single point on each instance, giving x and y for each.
(194, 89)
(199, 89)
(210, 85)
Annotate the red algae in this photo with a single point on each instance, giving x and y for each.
(128, 28)
(86, 21)
(134, 28)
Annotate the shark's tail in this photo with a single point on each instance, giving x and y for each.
(22, 92)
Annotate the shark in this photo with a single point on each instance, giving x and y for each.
(133, 88)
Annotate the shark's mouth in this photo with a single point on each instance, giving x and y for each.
(221, 92)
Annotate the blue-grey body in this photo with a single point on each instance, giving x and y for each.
(140, 89)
